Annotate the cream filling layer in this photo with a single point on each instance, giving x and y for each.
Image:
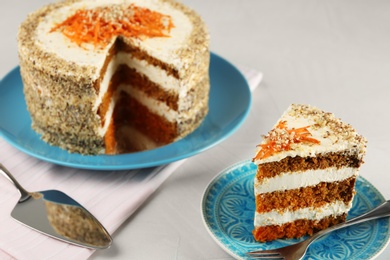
(336, 208)
(154, 74)
(108, 117)
(155, 106)
(288, 181)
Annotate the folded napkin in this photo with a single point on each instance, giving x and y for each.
(112, 196)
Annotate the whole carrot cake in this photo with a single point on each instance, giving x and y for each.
(307, 168)
(114, 76)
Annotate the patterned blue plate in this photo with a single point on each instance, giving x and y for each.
(228, 210)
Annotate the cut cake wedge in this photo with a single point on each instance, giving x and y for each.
(307, 168)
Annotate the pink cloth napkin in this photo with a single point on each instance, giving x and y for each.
(112, 196)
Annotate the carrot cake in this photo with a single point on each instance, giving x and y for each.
(114, 76)
(307, 168)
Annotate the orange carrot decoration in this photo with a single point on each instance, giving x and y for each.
(98, 26)
(281, 138)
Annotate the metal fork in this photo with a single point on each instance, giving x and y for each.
(298, 250)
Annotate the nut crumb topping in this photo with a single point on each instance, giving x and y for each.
(99, 25)
(282, 138)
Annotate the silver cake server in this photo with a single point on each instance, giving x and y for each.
(57, 215)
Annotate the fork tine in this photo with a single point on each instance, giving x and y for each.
(279, 257)
(265, 254)
(268, 257)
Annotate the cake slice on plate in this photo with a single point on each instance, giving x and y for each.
(307, 168)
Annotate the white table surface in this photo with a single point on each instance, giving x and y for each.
(331, 54)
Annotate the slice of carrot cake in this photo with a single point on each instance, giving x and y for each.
(307, 168)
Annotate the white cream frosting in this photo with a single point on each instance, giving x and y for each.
(329, 140)
(155, 106)
(162, 48)
(274, 217)
(288, 181)
(307, 150)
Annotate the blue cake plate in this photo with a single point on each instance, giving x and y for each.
(228, 206)
(229, 104)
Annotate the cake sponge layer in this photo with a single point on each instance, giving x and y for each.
(312, 196)
(295, 229)
(297, 163)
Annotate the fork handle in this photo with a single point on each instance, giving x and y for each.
(383, 210)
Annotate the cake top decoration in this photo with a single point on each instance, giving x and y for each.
(99, 25)
(280, 139)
